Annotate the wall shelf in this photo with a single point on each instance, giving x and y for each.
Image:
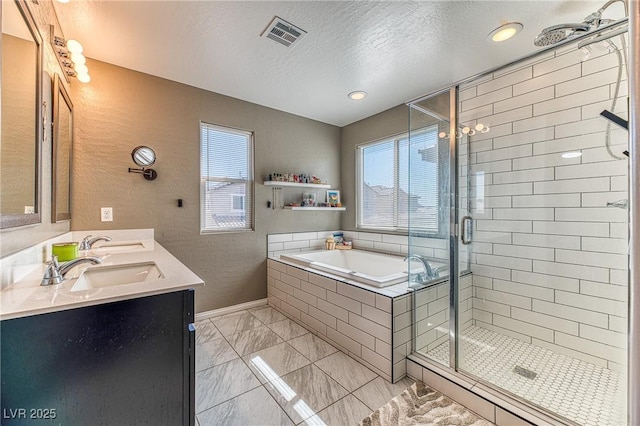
(297, 184)
(299, 208)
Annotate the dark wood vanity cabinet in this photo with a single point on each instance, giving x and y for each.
(129, 362)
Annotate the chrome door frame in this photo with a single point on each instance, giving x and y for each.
(454, 267)
(634, 216)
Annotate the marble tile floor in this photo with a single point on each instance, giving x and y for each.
(577, 390)
(258, 368)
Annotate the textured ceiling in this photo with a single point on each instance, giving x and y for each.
(394, 50)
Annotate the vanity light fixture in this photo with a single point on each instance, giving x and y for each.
(70, 57)
(505, 31)
(466, 130)
(357, 95)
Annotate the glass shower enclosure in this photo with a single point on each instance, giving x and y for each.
(532, 204)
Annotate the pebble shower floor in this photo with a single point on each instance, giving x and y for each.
(577, 390)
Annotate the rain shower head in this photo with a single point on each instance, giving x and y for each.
(558, 33)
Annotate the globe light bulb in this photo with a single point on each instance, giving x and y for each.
(74, 46)
(84, 78)
(78, 58)
(81, 69)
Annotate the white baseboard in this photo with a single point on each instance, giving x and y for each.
(230, 309)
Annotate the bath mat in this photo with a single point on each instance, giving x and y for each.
(421, 405)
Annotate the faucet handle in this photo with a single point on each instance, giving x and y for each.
(84, 245)
(52, 274)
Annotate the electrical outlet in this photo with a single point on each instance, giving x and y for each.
(106, 214)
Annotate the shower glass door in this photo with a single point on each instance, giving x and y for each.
(429, 213)
(543, 313)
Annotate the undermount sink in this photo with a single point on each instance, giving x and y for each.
(119, 247)
(110, 276)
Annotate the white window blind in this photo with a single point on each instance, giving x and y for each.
(398, 183)
(226, 179)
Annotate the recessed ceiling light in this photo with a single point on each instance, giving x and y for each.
(505, 31)
(574, 154)
(357, 95)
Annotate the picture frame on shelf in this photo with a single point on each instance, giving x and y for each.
(333, 197)
(308, 199)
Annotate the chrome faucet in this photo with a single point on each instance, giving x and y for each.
(55, 272)
(88, 242)
(428, 271)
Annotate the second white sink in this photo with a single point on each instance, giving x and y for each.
(118, 247)
(110, 276)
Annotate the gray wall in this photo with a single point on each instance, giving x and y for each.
(121, 109)
(387, 123)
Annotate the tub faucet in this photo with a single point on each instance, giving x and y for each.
(88, 242)
(428, 272)
(55, 272)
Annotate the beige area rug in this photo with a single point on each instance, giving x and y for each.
(422, 405)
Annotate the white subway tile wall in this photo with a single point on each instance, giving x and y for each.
(550, 259)
(435, 248)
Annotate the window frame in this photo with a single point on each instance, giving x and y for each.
(249, 181)
(443, 200)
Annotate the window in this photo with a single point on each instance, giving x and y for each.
(226, 179)
(237, 202)
(387, 198)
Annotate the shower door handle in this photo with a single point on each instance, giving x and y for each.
(466, 226)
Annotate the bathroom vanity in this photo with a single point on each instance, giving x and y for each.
(101, 353)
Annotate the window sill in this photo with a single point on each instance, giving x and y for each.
(225, 231)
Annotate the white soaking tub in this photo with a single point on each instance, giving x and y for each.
(371, 268)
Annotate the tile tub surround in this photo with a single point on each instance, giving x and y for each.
(371, 325)
(550, 259)
(297, 242)
(300, 379)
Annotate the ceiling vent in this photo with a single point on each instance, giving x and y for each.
(283, 32)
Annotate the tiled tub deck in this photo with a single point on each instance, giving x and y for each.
(372, 325)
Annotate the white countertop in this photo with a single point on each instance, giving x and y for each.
(24, 296)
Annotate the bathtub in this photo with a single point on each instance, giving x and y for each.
(374, 269)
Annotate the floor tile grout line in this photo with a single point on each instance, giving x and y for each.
(238, 357)
(229, 399)
(313, 363)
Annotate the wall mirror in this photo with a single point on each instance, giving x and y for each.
(21, 115)
(62, 152)
(143, 156)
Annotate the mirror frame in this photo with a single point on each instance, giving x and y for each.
(60, 95)
(11, 221)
